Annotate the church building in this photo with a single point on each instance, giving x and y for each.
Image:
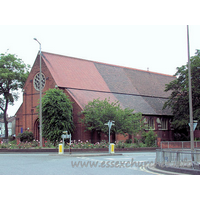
(84, 80)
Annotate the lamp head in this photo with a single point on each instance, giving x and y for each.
(37, 40)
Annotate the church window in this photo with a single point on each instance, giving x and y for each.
(36, 81)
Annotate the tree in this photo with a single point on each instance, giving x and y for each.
(13, 74)
(56, 115)
(179, 99)
(98, 112)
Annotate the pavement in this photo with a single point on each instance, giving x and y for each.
(164, 172)
(87, 154)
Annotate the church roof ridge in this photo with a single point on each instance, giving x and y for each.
(104, 63)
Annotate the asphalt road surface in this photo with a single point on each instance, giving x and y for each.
(54, 164)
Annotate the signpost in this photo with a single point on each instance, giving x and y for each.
(61, 146)
(194, 123)
(109, 124)
(69, 137)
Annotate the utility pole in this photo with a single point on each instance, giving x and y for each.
(190, 96)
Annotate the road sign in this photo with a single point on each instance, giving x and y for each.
(68, 135)
(64, 136)
(194, 125)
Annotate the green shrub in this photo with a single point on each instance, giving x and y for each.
(103, 144)
(13, 142)
(129, 141)
(48, 144)
(120, 144)
(26, 136)
(134, 145)
(136, 141)
(4, 146)
(142, 145)
(11, 138)
(149, 138)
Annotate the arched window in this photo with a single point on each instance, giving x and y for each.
(150, 123)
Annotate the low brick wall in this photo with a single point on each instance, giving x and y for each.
(178, 145)
(45, 150)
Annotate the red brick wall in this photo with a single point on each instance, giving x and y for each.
(197, 134)
(178, 145)
(121, 137)
(19, 121)
(27, 114)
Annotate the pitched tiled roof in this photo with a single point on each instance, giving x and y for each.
(74, 73)
(86, 80)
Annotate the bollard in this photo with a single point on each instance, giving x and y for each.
(112, 148)
(60, 149)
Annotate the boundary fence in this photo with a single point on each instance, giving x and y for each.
(178, 159)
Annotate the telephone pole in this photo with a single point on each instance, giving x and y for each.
(190, 95)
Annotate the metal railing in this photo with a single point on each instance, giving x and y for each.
(178, 159)
(178, 144)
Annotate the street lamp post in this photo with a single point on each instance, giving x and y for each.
(190, 96)
(40, 95)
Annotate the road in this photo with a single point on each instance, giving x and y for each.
(49, 164)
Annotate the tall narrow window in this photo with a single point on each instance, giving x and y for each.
(150, 123)
(164, 123)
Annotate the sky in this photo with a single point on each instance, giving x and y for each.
(107, 31)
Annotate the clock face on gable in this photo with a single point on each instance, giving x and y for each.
(36, 81)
